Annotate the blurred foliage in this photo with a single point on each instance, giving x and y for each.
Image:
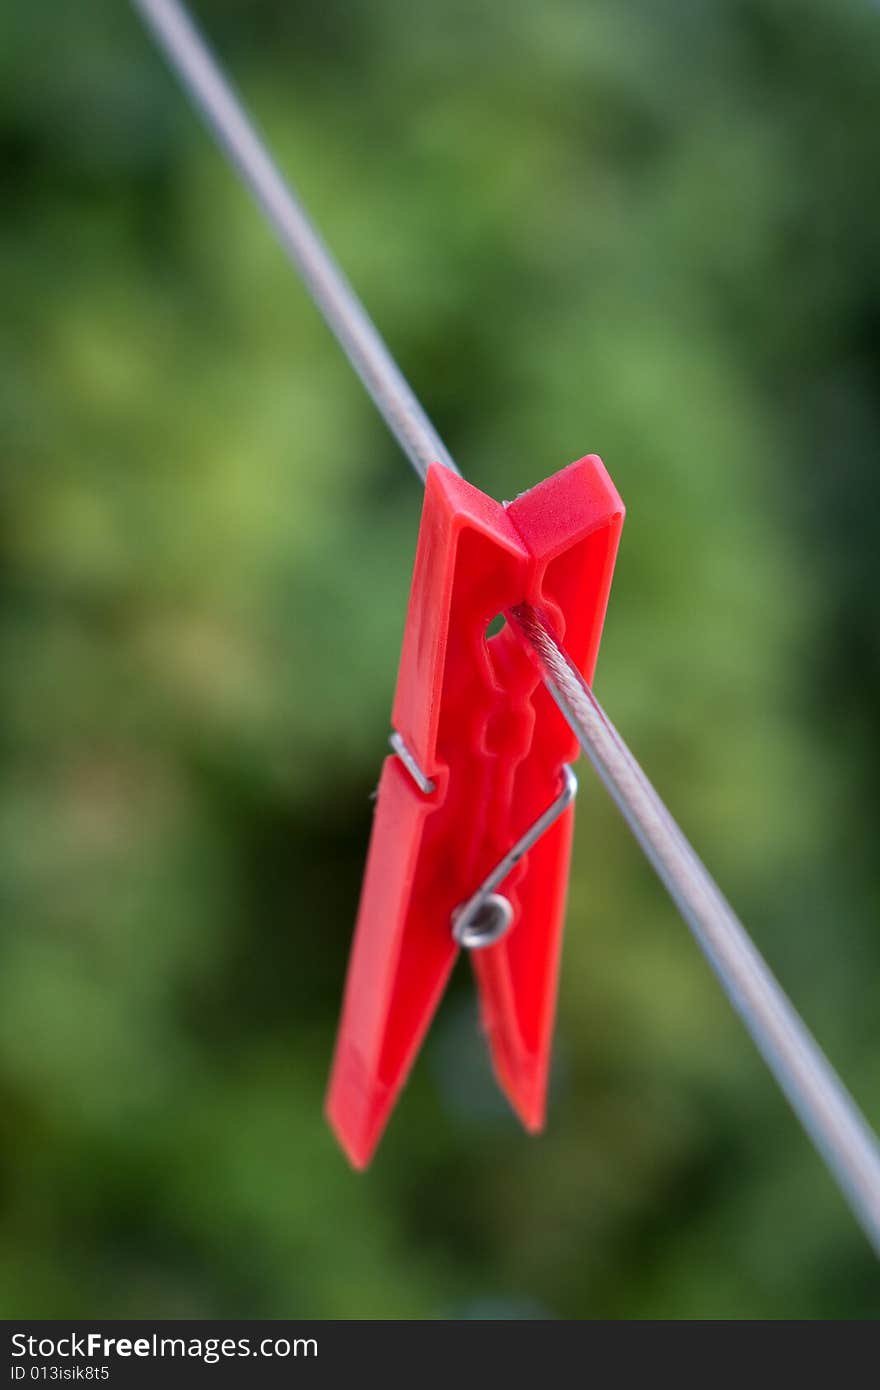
(642, 227)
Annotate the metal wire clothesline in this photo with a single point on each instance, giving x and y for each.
(814, 1090)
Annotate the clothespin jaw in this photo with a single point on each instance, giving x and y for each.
(481, 755)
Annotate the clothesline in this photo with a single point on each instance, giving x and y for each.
(814, 1090)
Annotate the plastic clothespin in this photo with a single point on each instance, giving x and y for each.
(476, 797)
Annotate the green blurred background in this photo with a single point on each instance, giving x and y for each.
(645, 228)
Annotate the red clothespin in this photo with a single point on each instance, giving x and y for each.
(477, 796)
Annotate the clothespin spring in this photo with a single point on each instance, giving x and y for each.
(487, 915)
